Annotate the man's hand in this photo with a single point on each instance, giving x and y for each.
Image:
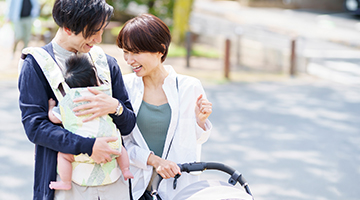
(99, 105)
(102, 151)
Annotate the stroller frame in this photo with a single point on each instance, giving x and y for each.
(202, 166)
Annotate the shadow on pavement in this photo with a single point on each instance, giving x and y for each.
(292, 138)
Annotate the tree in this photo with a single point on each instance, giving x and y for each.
(175, 13)
(182, 10)
(160, 8)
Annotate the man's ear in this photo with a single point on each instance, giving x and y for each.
(68, 31)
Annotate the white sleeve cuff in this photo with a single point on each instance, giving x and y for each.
(201, 135)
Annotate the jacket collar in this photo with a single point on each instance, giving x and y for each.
(49, 49)
(172, 95)
(169, 85)
(171, 78)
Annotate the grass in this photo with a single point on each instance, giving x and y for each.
(176, 51)
(197, 51)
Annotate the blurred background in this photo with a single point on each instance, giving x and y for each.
(269, 36)
(275, 36)
(283, 77)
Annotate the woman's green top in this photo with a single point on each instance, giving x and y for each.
(153, 123)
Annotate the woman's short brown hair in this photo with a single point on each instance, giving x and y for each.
(145, 33)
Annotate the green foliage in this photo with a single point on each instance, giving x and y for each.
(46, 8)
(160, 8)
(116, 30)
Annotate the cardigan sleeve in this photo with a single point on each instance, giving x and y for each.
(33, 101)
(126, 121)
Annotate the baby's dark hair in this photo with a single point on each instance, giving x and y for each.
(80, 72)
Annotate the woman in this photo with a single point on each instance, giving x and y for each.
(171, 109)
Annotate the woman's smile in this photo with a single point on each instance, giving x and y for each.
(136, 68)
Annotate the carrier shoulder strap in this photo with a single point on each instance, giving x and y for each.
(50, 69)
(100, 61)
(53, 72)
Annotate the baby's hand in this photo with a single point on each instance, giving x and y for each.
(52, 117)
(52, 103)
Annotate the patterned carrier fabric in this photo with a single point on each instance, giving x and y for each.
(85, 171)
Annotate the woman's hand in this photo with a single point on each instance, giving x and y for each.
(165, 168)
(203, 109)
(99, 105)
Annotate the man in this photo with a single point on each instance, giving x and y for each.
(81, 24)
(22, 13)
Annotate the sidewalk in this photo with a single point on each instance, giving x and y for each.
(327, 43)
(295, 139)
(339, 27)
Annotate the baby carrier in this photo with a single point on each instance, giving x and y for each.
(85, 171)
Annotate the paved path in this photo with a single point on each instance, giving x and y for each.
(324, 40)
(296, 139)
(16, 152)
(292, 139)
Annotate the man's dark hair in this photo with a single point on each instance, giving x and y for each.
(145, 33)
(80, 72)
(85, 16)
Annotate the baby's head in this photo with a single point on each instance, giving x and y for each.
(80, 72)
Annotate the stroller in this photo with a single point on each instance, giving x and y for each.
(208, 189)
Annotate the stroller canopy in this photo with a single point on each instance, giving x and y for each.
(212, 190)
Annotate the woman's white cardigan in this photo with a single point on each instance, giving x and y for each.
(188, 136)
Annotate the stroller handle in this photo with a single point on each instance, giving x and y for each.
(201, 166)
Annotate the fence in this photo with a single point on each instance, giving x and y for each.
(262, 48)
(251, 47)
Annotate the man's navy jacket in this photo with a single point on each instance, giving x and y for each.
(50, 138)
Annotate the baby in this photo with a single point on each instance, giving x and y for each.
(80, 73)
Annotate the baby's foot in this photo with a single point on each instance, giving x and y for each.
(60, 185)
(127, 174)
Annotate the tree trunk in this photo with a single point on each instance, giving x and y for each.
(182, 10)
(150, 5)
